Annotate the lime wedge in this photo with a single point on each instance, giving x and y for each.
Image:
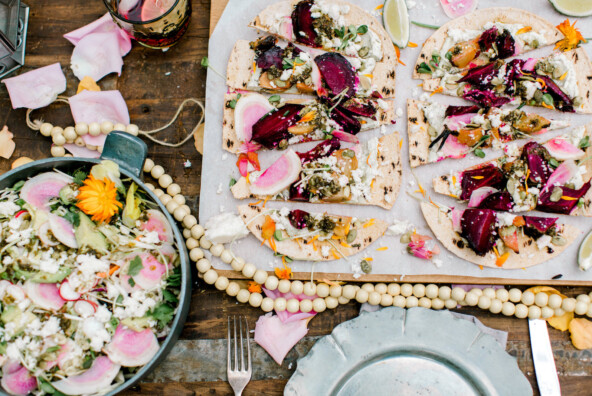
(585, 253)
(577, 8)
(396, 21)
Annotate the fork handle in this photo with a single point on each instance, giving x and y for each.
(239, 393)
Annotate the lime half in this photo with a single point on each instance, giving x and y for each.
(577, 8)
(396, 21)
(585, 253)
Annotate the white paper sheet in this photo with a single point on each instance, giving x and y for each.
(219, 166)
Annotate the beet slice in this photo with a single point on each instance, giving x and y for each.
(298, 218)
(478, 226)
(271, 57)
(505, 45)
(498, 201)
(536, 156)
(460, 110)
(487, 38)
(338, 73)
(302, 26)
(344, 118)
(485, 98)
(541, 224)
(563, 206)
(270, 130)
(299, 192)
(323, 149)
(360, 107)
(561, 100)
(481, 76)
(485, 176)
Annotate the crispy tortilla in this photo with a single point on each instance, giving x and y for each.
(475, 21)
(307, 251)
(419, 141)
(231, 143)
(583, 69)
(384, 190)
(529, 255)
(442, 183)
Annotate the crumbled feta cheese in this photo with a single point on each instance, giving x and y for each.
(225, 228)
(325, 251)
(399, 227)
(544, 241)
(8, 208)
(505, 219)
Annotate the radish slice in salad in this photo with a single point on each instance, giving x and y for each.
(62, 230)
(346, 137)
(478, 195)
(453, 148)
(157, 222)
(131, 348)
(248, 110)
(16, 379)
(67, 292)
(43, 237)
(44, 295)
(563, 150)
(456, 8)
(283, 172)
(151, 273)
(562, 174)
(38, 190)
(100, 375)
(84, 308)
(14, 292)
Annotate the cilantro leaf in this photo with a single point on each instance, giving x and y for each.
(205, 62)
(169, 296)
(135, 266)
(362, 29)
(79, 177)
(174, 279)
(163, 314)
(232, 182)
(17, 186)
(131, 282)
(73, 218)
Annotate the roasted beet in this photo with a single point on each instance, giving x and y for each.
(323, 149)
(505, 45)
(498, 201)
(536, 157)
(271, 57)
(360, 107)
(345, 119)
(541, 224)
(460, 110)
(485, 98)
(263, 44)
(299, 192)
(298, 218)
(485, 176)
(481, 76)
(561, 100)
(563, 206)
(513, 72)
(302, 26)
(478, 226)
(337, 73)
(270, 130)
(487, 38)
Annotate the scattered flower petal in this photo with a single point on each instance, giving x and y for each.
(104, 24)
(87, 83)
(81, 152)
(7, 145)
(37, 88)
(581, 333)
(96, 55)
(572, 39)
(278, 338)
(285, 316)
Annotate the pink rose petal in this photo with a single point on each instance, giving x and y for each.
(285, 316)
(96, 55)
(278, 338)
(37, 88)
(81, 152)
(104, 24)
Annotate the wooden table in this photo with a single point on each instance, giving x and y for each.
(153, 84)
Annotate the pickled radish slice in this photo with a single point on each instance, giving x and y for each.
(62, 230)
(44, 295)
(152, 9)
(130, 348)
(84, 308)
(562, 174)
(279, 175)
(456, 216)
(158, 222)
(16, 379)
(453, 148)
(38, 190)
(563, 150)
(459, 121)
(151, 274)
(67, 292)
(345, 137)
(99, 376)
(478, 195)
(248, 110)
(43, 237)
(456, 8)
(15, 292)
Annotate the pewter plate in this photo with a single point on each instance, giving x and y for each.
(407, 352)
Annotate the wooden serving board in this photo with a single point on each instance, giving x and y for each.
(216, 10)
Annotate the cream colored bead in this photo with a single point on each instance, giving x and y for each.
(165, 199)
(373, 298)
(484, 302)
(70, 134)
(527, 298)
(171, 206)
(226, 256)
(431, 291)
(45, 129)
(442, 292)
(118, 127)
(217, 249)
(196, 254)
(472, 299)
(458, 294)
(419, 290)
(156, 172)
(380, 288)
(508, 308)
(323, 290)
(399, 301)
(310, 289)
(284, 286)
(502, 295)
(260, 276)
(342, 300)
(280, 304)
(305, 305)
(106, 127)
(197, 231)
(68, 155)
(173, 189)
(150, 186)
(369, 287)
(559, 312)
(221, 283)
(386, 300)
(293, 305)
(186, 233)
(394, 289)
(271, 283)
(297, 287)
(521, 311)
(180, 213)
(581, 308)
(319, 305)
(189, 221)
(331, 302)
(547, 312)
(210, 276)
(94, 129)
(406, 289)
(450, 303)
(496, 306)
(515, 295)
(180, 199)
(81, 129)
(58, 151)
(158, 192)
(583, 297)
(243, 295)
(541, 299)
(425, 302)
(411, 302)
(349, 291)
(335, 291)
(476, 291)
(237, 264)
(255, 300)
(191, 243)
(148, 165)
(79, 142)
(362, 296)
(267, 304)
(534, 312)
(437, 303)
(568, 304)
(249, 270)
(132, 129)
(489, 292)
(203, 265)
(233, 289)
(56, 130)
(186, 207)
(555, 301)
(165, 180)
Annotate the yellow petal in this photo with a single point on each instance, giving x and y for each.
(87, 83)
(581, 333)
(561, 322)
(547, 289)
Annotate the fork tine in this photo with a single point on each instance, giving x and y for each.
(240, 323)
(235, 346)
(248, 346)
(228, 346)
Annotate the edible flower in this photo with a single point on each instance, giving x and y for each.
(268, 228)
(254, 287)
(572, 39)
(98, 198)
(285, 273)
(417, 246)
(244, 159)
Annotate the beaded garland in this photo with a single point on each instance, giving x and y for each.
(513, 302)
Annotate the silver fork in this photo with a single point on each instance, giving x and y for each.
(238, 377)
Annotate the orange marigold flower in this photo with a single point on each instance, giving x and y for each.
(572, 39)
(98, 198)
(285, 273)
(254, 287)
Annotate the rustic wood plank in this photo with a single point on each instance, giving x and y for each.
(254, 388)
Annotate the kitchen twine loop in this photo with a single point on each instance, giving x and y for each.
(36, 124)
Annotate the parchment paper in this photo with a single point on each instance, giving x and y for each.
(219, 166)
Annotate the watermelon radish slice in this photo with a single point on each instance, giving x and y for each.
(16, 379)
(562, 174)
(456, 216)
(38, 190)
(283, 172)
(84, 308)
(453, 149)
(457, 122)
(456, 8)
(43, 237)
(99, 376)
(317, 81)
(67, 292)
(151, 275)
(563, 150)
(529, 64)
(248, 110)
(158, 222)
(63, 355)
(62, 230)
(130, 348)
(44, 295)
(15, 292)
(345, 137)
(478, 195)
